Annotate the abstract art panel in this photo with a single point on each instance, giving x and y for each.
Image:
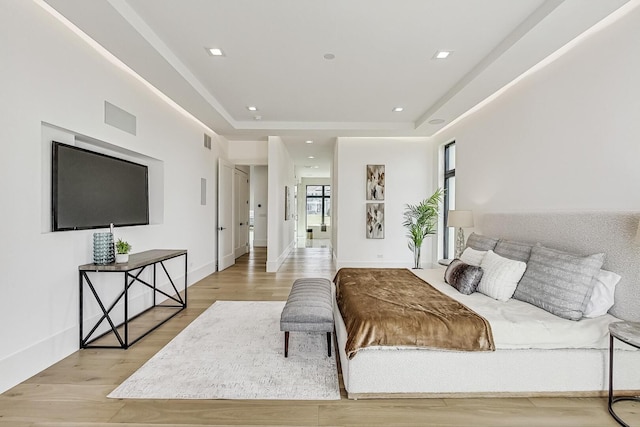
(375, 220)
(375, 182)
(287, 203)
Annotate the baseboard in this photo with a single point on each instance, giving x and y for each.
(29, 361)
(378, 264)
(273, 266)
(372, 264)
(201, 272)
(26, 363)
(259, 243)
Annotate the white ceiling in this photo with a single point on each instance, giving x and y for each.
(274, 59)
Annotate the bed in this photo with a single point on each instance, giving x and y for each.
(536, 352)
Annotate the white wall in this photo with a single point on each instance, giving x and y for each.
(408, 180)
(280, 231)
(248, 152)
(50, 75)
(565, 138)
(260, 185)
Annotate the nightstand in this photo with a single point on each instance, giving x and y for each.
(627, 332)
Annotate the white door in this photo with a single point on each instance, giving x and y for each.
(226, 256)
(241, 214)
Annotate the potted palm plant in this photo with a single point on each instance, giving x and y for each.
(122, 251)
(421, 220)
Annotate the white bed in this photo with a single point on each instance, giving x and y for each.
(537, 353)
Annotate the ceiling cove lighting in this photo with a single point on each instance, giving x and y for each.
(118, 63)
(606, 22)
(442, 54)
(214, 51)
(397, 109)
(252, 108)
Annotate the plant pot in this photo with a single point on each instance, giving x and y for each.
(122, 258)
(416, 258)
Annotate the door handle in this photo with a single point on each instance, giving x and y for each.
(221, 228)
(240, 223)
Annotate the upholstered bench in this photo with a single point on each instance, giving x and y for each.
(309, 308)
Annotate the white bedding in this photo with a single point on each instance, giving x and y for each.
(519, 325)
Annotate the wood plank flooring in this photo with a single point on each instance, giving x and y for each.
(72, 392)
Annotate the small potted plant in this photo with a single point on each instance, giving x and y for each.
(122, 251)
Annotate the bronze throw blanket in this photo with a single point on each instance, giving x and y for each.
(394, 307)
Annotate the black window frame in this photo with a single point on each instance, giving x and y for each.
(323, 197)
(448, 174)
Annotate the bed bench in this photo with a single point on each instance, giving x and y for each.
(309, 308)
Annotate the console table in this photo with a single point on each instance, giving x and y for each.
(131, 272)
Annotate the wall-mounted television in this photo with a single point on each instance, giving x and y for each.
(93, 190)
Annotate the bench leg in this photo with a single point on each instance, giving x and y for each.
(286, 344)
(329, 343)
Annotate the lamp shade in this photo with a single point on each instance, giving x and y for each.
(462, 219)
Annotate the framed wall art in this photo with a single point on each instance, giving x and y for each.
(375, 221)
(375, 182)
(287, 202)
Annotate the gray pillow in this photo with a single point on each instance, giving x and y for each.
(517, 251)
(559, 282)
(464, 277)
(481, 243)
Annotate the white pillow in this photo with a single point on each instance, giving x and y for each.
(500, 276)
(604, 287)
(472, 257)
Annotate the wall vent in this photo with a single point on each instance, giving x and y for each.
(117, 117)
(207, 141)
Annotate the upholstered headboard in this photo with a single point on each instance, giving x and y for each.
(585, 233)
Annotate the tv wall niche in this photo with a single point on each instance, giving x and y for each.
(93, 190)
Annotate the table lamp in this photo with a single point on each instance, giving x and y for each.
(460, 220)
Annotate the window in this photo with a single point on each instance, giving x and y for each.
(318, 205)
(449, 197)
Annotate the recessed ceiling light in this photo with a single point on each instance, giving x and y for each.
(316, 167)
(436, 121)
(311, 157)
(252, 108)
(397, 109)
(329, 56)
(442, 54)
(214, 51)
(257, 117)
(309, 141)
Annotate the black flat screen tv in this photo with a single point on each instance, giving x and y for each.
(93, 190)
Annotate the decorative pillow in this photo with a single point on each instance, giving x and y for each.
(559, 282)
(463, 277)
(472, 257)
(603, 291)
(501, 276)
(513, 250)
(481, 243)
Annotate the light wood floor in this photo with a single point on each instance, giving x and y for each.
(72, 392)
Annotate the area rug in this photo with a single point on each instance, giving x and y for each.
(235, 350)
